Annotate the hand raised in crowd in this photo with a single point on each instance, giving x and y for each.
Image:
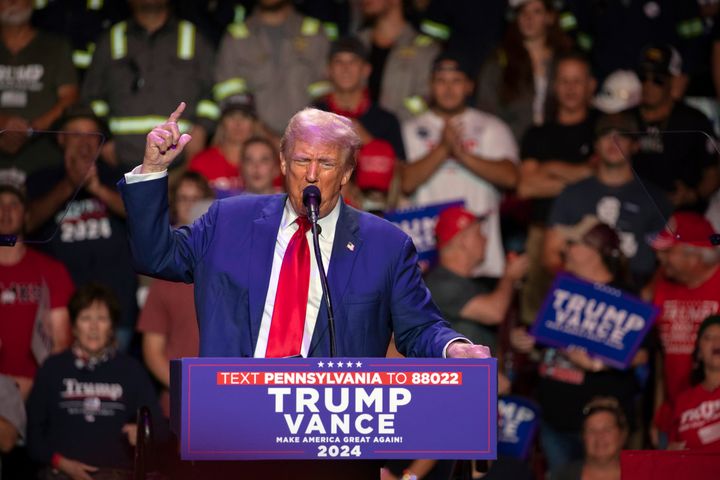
(76, 470)
(164, 143)
(582, 359)
(517, 266)
(131, 429)
(521, 340)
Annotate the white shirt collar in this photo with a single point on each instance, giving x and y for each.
(328, 223)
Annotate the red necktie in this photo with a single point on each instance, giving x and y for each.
(291, 298)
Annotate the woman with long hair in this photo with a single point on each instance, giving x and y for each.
(513, 83)
(696, 416)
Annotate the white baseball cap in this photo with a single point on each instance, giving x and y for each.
(620, 90)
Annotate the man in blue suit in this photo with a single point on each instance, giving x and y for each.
(235, 256)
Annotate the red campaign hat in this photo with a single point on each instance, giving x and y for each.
(375, 166)
(452, 221)
(688, 228)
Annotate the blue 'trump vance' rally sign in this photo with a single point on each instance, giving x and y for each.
(608, 323)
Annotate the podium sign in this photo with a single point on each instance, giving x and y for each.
(334, 408)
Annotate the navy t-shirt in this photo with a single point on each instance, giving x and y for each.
(636, 210)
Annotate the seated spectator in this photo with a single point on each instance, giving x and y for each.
(379, 130)
(605, 431)
(278, 55)
(12, 416)
(515, 81)
(570, 377)
(260, 166)
(684, 166)
(140, 67)
(220, 163)
(348, 72)
(400, 58)
(555, 155)
(185, 193)
(167, 321)
(472, 307)
(37, 84)
(696, 417)
(455, 152)
(78, 200)
(687, 291)
(34, 292)
(83, 405)
(616, 197)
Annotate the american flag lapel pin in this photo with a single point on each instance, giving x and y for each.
(350, 246)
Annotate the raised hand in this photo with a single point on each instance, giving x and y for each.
(164, 143)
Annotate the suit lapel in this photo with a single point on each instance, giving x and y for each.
(262, 248)
(346, 247)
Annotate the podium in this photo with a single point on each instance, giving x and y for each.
(334, 408)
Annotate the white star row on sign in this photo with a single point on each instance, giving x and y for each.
(339, 364)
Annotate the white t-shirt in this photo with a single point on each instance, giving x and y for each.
(485, 136)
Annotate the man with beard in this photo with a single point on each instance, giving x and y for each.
(455, 152)
(279, 56)
(143, 66)
(38, 82)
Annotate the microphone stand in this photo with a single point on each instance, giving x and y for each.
(323, 281)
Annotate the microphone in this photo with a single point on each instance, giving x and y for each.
(311, 199)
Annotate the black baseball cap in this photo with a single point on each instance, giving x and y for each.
(660, 59)
(452, 61)
(348, 44)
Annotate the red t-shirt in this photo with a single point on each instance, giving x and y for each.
(212, 164)
(696, 418)
(170, 311)
(22, 288)
(682, 311)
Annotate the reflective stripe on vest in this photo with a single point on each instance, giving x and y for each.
(238, 30)
(231, 86)
(208, 109)
(690, 28)
(239, 16)
(82, 58)
(94, 4)
(415, 104)
(310, 26)
(318, 89)
(40, 4)
(186, 40)
(142, 124)
(331, 30)
(435, 29)
(100, 107)
(118, 40)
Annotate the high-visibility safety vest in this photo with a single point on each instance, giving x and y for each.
(137, 125)
(185, 42)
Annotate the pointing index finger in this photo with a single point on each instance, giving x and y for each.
(176, 114)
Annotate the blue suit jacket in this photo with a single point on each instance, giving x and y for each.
(377, 288)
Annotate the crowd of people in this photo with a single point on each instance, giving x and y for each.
(579, 135)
